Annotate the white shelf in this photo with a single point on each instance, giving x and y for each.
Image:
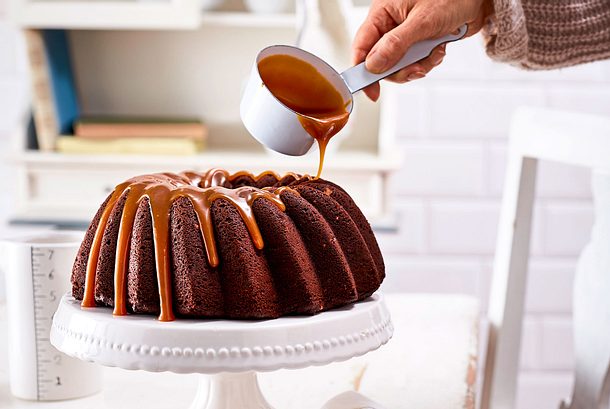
(137, 15)
(171, 14)
(231, 159)
(69, 188)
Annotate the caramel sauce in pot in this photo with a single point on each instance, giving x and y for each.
(321, 109)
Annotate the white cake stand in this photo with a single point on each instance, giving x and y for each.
(230, 350)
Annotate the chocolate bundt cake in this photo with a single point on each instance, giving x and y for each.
(217, 244)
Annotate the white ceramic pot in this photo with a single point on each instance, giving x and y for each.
(278, 127)
(272, 123)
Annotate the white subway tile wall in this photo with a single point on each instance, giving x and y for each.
(453, 127)
(461, 173)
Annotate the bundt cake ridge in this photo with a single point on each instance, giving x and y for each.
(203, 245)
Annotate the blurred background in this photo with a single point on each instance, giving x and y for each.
(426, 163)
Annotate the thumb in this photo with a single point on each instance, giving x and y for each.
(395, 43)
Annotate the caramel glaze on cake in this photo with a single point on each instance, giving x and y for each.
(217, 244)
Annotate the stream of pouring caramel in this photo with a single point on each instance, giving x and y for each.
(302, 88)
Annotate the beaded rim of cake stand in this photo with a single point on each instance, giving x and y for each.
(137, 343)
(385, 327)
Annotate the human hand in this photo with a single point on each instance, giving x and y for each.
(393, 26)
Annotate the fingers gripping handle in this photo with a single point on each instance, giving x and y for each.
(358, 77)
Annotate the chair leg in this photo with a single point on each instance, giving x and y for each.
(591, 317)
(507, 295)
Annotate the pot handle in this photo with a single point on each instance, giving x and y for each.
(358, 77)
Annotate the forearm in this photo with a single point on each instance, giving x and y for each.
(546, 34)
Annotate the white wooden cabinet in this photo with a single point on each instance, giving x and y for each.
(167, 57)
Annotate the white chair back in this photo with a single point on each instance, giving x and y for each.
(577, 139)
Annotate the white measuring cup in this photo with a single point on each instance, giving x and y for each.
(37, 270)
(277, 127)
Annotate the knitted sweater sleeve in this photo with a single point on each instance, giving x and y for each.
(546, 34)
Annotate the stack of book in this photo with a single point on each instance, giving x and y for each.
(60, 126)
(54, 100)
(121, 135)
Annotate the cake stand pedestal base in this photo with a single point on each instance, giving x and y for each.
(228, 391)
(229, 350)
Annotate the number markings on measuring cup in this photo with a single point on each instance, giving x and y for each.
(47, 292)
